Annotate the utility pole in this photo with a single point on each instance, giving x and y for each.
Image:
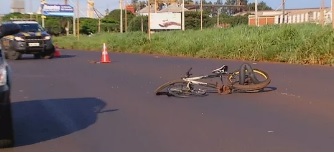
(126, 17)
(201, 15)
(149, 21)
(99, 15)
(43, 16)
(141, 23)
(283, 11)
(218, 18)
(74, 25)
(155, 6)
(256, 15)
(322, 13)
(68, 22)
(332, 8)
(121, 16)
(238, 4)
(78, 22)
(183, 26)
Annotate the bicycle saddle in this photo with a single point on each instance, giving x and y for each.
(222, 69)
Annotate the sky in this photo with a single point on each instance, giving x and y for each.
(102, 5)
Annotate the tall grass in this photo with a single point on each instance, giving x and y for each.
(299, 43)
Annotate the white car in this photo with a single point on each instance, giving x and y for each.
(6, 125)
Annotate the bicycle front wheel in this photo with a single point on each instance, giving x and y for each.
(180, 89)
(262, 77)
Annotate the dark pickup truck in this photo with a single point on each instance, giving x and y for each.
(32, 39)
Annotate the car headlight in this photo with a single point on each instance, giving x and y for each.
(3, 76)
(47, 37)
(18, 39)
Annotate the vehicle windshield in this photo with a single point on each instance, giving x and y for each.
(31, 28)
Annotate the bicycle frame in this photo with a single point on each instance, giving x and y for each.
(194, 80)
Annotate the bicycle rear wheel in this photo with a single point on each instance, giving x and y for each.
(179, 88)
(248, 86)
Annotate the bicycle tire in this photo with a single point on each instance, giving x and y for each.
(243, 71)
(257, 71)
(164, 86)
(250, 87)
(177, 89)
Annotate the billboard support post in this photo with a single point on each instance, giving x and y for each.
(74, 29)
(43, 22)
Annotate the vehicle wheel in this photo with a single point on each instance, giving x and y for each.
(13, 55)
(6, 126)
(37, 56)
(48, 54)
(262, 78)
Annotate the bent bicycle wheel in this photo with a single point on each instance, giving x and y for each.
(262, 78)
(179, 88)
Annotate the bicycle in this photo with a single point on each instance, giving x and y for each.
(245, 79)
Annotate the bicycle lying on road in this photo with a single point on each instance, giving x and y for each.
(245, 79)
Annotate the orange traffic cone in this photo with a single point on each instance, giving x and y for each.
(57, 52)
(105, 57)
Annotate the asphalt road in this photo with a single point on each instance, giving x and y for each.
(70, 104)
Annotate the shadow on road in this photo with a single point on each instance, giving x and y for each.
(215, 91)
(266, 89)
(31, 57)
(40, 120)
(66, 56)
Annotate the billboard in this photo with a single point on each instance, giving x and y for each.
(166, 20)
(57, 10)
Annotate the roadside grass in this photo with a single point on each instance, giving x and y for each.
(297, 43)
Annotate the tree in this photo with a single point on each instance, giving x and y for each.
(134, 1)
(15, 15)
(219, 2)
(88, 25)
(114, 17)
(136, 23)
(188, 2)
(193, 20)
(54, 24)
(260, 6)
(234, 2)
(234, 20)
(203, 2)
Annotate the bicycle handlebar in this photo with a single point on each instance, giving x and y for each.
(218, 72)
(188, 74)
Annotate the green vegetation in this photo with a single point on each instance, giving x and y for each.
(111, 22)
(299, 43)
